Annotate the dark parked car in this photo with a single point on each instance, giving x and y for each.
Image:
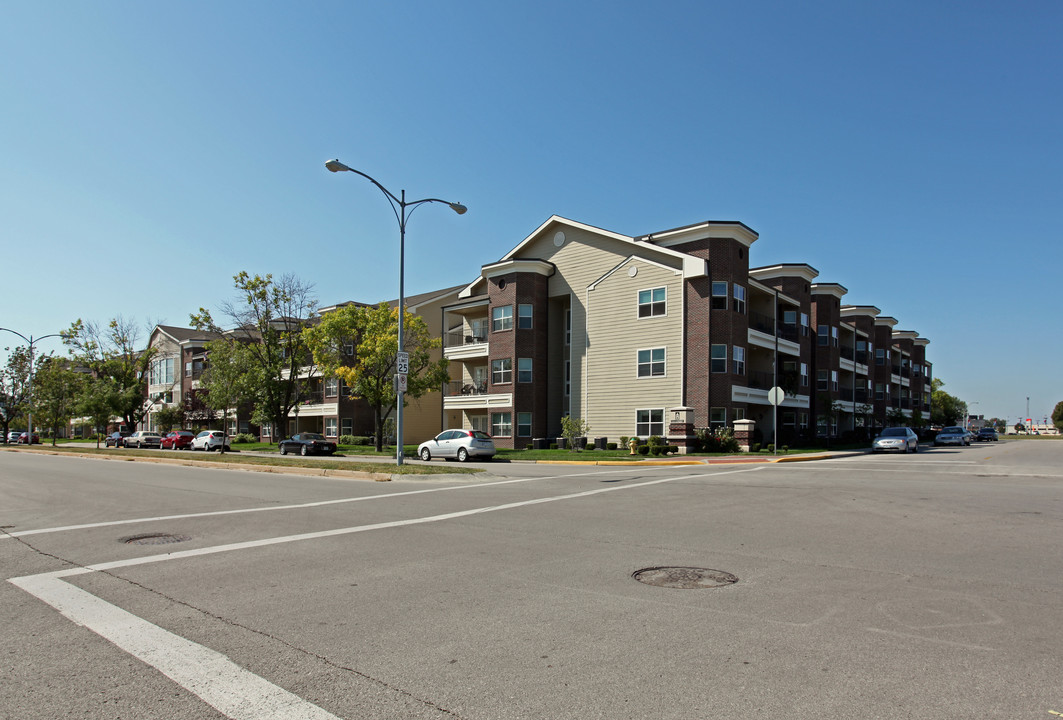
(116, 439)
(987, 435)
(23, 439)
(177, 440)
(307, 443)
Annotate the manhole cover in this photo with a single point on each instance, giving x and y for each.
(684, 578)
(154, 539)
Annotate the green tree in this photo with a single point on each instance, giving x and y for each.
(572, 428)
(170, 417)
(944, 408)
(230, 369)
(14, 379)
(56, 388)
(1057, 416)
(369, 372)
(112, 354)
(96, 401)
(268, 318)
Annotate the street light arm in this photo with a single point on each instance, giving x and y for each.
(396, 203)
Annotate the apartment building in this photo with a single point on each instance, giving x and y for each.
(626, 331)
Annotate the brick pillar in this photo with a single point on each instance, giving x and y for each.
(681, 428)
(744, 433)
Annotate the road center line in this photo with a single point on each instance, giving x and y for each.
(320, 503)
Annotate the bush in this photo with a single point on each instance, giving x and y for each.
(755, 447)
(244, 438)
(610, 446)
(528, 446)
(590, 446)
(624, 439)
(643, 450)
(553, 446)
(672, 449)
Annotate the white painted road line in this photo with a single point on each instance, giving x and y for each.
(233, 691)
(214, 678)
(272, 508)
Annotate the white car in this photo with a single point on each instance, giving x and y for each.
(143, 438)
(210, 440)
(460, 444)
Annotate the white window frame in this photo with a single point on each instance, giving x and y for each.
(650, 363)
(501, 424)
(524, 374)
(713, 359)
(739, 299)
(521, 317)
(651, 303)
(645, 428)
(332, 427)
(738, 360)
(716, 300)
(501, 318)
(504, 373)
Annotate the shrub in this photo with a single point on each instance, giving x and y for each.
(528, 446)
(643, 450)
(347, 440)
(771, 447)
(553, 446)
(624, 441)
(672, 449)
(610, 446)
(755, 447)
(244, 438)
(786, 448)
(590, 446)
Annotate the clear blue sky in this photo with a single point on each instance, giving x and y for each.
(910, 151)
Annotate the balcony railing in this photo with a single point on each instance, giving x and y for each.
(760, 380)
(312, 398)
(459, 338)
(461, 388)
(766, 324)
(847, 352)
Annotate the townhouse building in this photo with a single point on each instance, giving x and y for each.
(622, 331)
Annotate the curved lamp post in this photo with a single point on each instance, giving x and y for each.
(29, 383)
(402, 210)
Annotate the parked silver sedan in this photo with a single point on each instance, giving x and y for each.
(460, 444)
(901, 439)
(142, 439)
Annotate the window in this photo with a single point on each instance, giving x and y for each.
(739, 299)
(804, 374)
(821, 379)
(651, 302)
(332, 387)
(823, 331)
(331, 425)
(568, 327)
(501, 372)
(804, 324)
(739, 360)
(568, 378)
(502, 424)
(502, 318)
(188, 369)
(879, 391)
(649, 422)
(739, 413)
(718, 359)
(719, 296)
(348, 349)
(524, 424)
(804, 421)
(834, 336)
(232, 427)
(347, 426)
(651, 362)
(345, 390)
(834, 380)
(524, 370)
(789, 418)
(161, 372)
(524, 317)
(789, 317)
(481, 423)
(717, 417)
(880, 357)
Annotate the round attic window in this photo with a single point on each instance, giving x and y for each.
(559, 239)
(632, 271)
(502, 284)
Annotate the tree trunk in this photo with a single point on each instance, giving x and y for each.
(379, 429)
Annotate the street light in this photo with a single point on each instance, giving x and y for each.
(399, 207)
(29, 382)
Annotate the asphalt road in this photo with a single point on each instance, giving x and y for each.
(909, 586)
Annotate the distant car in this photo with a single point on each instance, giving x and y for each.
(901, 439)
(460, 444)
(13, 436)
(116, 439)
(141, 439)
(23, 439)
(177, 440)
(987, 435)
(953, 436)
(307, 443)
(210, 440)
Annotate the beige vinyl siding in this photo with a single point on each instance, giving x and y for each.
(581, 260)
(616, 333)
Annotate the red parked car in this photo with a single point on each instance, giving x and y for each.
(23, 439)
(177, 440)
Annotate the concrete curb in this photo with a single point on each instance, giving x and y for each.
(276, 469)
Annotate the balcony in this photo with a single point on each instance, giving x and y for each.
(465, 344)
(460, 388)
(460, 395)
